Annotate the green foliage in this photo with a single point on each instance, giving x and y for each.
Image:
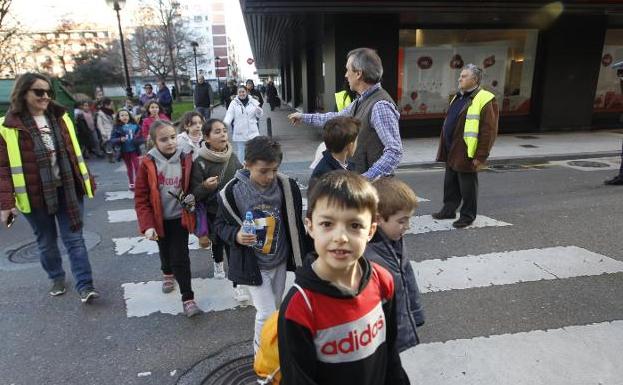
(96, 68)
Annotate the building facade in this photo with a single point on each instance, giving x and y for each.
(548, 63)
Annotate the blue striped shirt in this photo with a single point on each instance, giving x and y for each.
(384, 120)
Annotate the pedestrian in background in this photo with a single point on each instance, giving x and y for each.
(228, 93)
(87, 130)
(190, 136)
(468, 133)
(105, 122)
(254, 92)
(379, 146)
(243, 112)
(165, 99)
(154, 112)
(272, 96)
(202, 97)
(43, 176)
(617, 180)
(127, 136)
(148, 96)
(163, 204)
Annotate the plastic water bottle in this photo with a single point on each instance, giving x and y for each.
(248, 226)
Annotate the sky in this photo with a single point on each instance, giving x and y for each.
(49, 12)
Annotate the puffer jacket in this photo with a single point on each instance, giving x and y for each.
(245, 119)
(29, 162)
(409, 311)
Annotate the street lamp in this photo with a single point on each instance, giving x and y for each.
(217, 61)
(194, 44)
(117, 5)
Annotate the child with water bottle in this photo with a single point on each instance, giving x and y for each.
(259, 199)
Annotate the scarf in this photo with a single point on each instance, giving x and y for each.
(244, 101)
(214, 156)
(107, 111)
(48, 183)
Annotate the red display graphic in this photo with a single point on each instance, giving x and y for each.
(456, 62)
(425, 62)
(413, 95)
(606, 60)
(489, 61)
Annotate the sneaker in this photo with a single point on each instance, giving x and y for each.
(168, 283)
(443, 215)
(131, 186)
(241, 294)
(462, 223)
(88, 294)
(617, 180)
(58, 288)
(191, 309)
(219, 270)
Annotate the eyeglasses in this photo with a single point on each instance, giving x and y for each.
(40, 91)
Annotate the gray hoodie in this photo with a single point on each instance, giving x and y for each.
(169, 179)
(272, 248)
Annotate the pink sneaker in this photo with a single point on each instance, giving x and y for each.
(191, 309)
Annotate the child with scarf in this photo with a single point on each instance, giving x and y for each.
(189, 140)
(215, 165)
(105, 121)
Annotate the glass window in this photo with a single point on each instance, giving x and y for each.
(198, 19)
(609, 93)
(430, 61)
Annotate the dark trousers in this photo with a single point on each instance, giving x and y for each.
(174, 258)
(457, 187)
(621, 168)
(218, 246)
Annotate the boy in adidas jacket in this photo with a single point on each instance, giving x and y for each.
(343, 330)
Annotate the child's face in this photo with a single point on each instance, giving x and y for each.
(217, 140)
(154, 109)
(194, 129)
(124, 117)
(396, 225)
(340, 235)
(86, 107)
(166, 140)
(263, 173)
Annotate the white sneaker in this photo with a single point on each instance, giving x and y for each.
(219, 270)
(241, 294)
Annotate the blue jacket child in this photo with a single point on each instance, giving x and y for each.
(131, 132)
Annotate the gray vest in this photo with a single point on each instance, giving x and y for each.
(369, 146)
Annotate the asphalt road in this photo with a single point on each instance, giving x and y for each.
(58, 340)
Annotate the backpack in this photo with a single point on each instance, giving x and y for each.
(266, 363)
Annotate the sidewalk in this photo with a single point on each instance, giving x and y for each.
(299, 143)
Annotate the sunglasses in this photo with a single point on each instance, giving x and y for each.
(40, 91)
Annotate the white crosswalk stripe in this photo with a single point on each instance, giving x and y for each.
(126, 215)
(573, 355)
(425, 224)
(119, 195)
(140, 245)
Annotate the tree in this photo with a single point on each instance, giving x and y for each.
(9, 33)
(96, 68)
(161, 48)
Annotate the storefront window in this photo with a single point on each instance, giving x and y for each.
(430, 62)
(609, 94)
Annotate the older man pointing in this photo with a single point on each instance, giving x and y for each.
(379, 147)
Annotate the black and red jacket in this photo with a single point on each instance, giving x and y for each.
(344, 338)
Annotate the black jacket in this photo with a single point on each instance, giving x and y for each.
(327, 164)
(257, 95)
(243, 267)
(340, 338)
(409, 311)
(202, 94)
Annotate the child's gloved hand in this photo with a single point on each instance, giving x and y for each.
(151, 234)
(189, 202)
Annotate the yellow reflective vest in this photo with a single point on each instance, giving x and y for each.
(472, 120)
(342, 100)
(10, 136)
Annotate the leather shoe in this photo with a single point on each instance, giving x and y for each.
(442, 215)
(616, 181)
(461, 223)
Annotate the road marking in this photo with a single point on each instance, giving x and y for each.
(425, 224)
(573, 355)
(126, 215)
(118, 195)
(421, 199)
(140, 245)
(510, 267)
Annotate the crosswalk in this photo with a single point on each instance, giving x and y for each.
(574, 354)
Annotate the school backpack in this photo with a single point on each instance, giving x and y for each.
(266, 363)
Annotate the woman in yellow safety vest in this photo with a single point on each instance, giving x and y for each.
(43, 177)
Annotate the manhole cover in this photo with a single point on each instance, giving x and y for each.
(528, 146)
(235, 372)
(585, 163)
(526, 137)
(505, 167)
(29, 253)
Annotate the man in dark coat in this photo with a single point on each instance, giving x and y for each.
(254, 92)
(202, 97)
(165, 99)
(461, 178)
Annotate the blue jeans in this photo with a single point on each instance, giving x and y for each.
(205, 111)
(240, 150)
(44, 227)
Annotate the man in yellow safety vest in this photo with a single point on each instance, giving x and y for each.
(468, 133)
